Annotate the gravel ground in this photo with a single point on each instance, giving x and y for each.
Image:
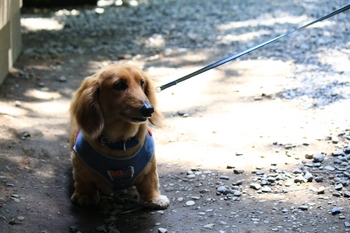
(260, 144)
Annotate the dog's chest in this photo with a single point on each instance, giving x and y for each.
(120, 173)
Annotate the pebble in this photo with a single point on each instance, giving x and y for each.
(238, 171)
(321, 190)
(224, 177)
(347, 224)
(266, 189)
(308, 176)
(62, 79)
(101, 229)
(191, 176)
(222, 189)
(338, 153)
(190, 203)
(309, 156)
(346, 194)
(299, 179)
(336, 210)
(329, 168)
(303, 207)
(338, 187)
(255, 186)
(209, 226)
(162, 230)
(297, 171)
(288, 184)
(336, 194)
(237, 193)
(73, 229)
(238, 182)
(319, 179)
(12, 222)
(18, 103)
(318, 157)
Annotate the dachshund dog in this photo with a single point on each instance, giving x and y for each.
(112, 145)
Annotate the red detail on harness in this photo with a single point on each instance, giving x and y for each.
(149, 131)
(115, 173)
(76, 135)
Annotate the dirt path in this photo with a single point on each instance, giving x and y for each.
(252, 121)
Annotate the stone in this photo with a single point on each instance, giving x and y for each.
(101, 229)
(336, 210)
(238, 182)
(191, 176)
(238, 171)
(309, 156)
(263, 182)
(308, 176)
(303, 207)
(319, 179)
(209, 226)
(318, 157)
(260, 173)
(346, 194)
(299, 179)
(321, 190)
(237, 193)
(62, 79)
(18, 103)
(297, 171)
(336, 194)
(266, 189)
(224, 177)
(338, 153)
(222, 189)
(338, 187)
(190, 203)
(162, 230)
(255, 186)
(329, 168)
(73, 229)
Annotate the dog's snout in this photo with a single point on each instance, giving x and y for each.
(147, 109)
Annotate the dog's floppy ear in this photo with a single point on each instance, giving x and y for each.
(150, 91)
(85, 108)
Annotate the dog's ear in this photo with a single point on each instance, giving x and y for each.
(85, 108)
(150, 91)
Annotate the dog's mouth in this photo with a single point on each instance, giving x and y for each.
(134, 119)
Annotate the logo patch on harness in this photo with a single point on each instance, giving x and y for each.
(122, 174)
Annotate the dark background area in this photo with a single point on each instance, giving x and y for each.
(57, 3)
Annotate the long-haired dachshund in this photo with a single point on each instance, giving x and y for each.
(112, 145)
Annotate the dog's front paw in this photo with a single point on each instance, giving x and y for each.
(161, 202)
(85, 199)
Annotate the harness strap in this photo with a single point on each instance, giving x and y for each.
(120, 173)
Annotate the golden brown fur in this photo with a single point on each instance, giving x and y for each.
(108, 103)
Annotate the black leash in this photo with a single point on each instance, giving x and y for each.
(237, 55)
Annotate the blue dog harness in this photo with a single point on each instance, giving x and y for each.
(120, 173)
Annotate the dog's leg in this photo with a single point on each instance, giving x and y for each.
(85, 193)
(148, 189)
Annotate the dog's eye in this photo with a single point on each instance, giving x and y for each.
(120, 86)
(142, 83)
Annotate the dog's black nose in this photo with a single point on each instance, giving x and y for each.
(147, 109)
